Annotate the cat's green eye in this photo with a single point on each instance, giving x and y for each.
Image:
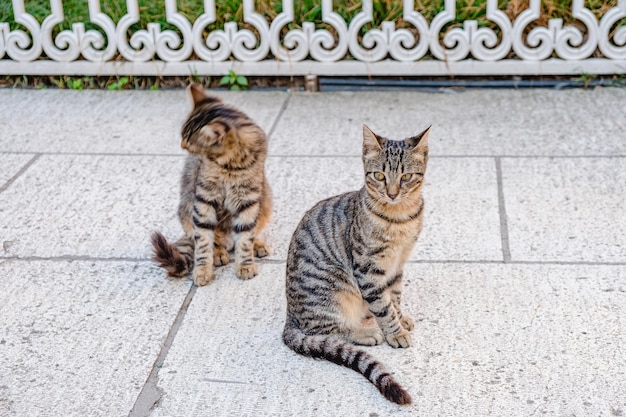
(406, 177)
(379, 176)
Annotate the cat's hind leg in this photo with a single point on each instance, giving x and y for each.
(358, 324)
(368, 334)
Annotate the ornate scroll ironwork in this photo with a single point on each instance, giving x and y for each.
(521, 40)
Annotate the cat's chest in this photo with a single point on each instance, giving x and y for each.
(395, 254)
(390, 246)
(219, 178)
(396, 235)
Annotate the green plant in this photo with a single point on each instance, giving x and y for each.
(586, 78)
(234, 82)
(119, 84)
(194, 76)
(76, 84)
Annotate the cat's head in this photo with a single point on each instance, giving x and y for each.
(204, 131)
(394, 169)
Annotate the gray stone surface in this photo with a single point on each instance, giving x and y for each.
(10, 165)
(517, 282)
(479, 122)
(128, 122)
(566, 209)
(79, 338)
(490, 340)
(461, 219)
(90, 205)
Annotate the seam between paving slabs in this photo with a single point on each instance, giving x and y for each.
(150, 395)
(20, 172)
(282, 109)
(504, 227)
(62, 258)
(282, 261)
(182, 154)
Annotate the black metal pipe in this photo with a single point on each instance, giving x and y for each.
(355, 84)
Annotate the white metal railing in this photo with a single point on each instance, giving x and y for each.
(387, 50)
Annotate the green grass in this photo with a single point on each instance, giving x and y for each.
(304, 10)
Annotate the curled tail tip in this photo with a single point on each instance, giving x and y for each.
(158, 240)
(167, 256)
(392, 390)
(395, 393)
(161, 249)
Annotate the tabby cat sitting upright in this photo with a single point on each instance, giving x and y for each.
(225, 200)
(346, 259)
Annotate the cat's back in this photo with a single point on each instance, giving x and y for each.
(321, 235)
(330, 213)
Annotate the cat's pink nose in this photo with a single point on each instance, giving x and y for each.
(392, 195)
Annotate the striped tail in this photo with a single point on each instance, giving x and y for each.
(175, 258)
(335, 349)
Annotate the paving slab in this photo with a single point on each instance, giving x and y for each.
(10, 165)
(90, 205)
(566, 209)
(139, 122)
(461, 221)
(512, 340)
(540, 335)
(80, 338)
(474, 122)
(106, 206)
(297, 185)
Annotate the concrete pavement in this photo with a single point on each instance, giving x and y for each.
(517, 284)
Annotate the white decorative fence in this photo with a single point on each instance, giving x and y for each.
(272, 50)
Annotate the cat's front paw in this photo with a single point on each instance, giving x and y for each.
(408, 323)
(246, 271)
(220, 256)
(402, 339)
(202, 274)
(260, 249)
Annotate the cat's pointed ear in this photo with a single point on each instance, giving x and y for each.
(196, 93)
(420, 141)
(214, 132)
(371, 142)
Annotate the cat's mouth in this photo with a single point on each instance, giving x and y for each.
(393, 198)
(389, 200)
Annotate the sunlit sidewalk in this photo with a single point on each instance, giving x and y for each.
(517, 284)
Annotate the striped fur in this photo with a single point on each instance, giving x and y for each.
(225, 200)
(346, 259)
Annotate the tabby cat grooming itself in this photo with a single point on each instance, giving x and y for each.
(346, 258)
(225, 200)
